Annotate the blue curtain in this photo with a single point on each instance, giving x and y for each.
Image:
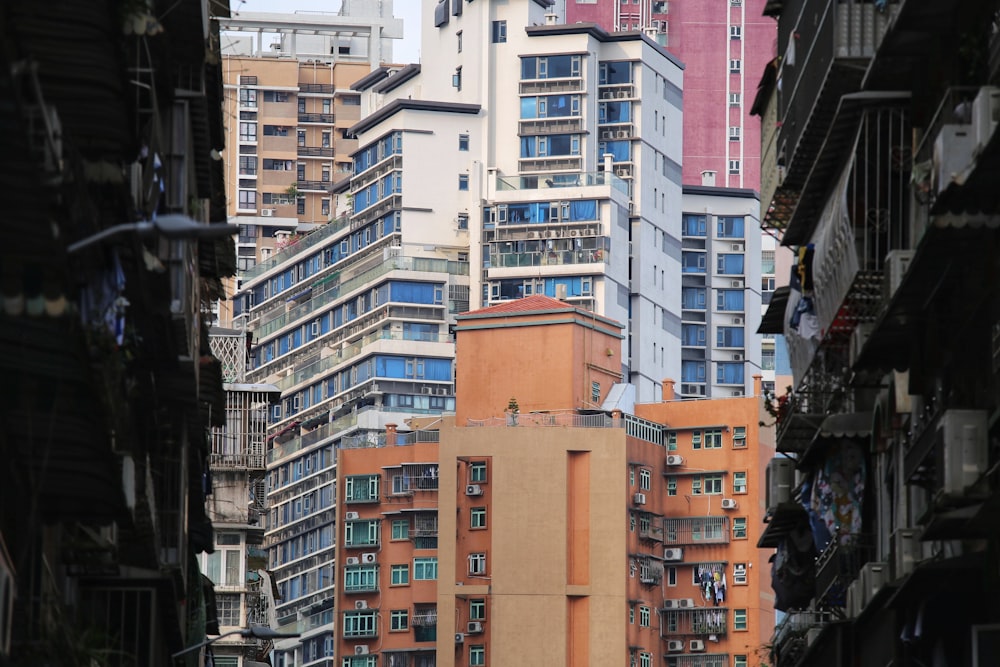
(729, 373)
(529, 107)
(693, 371)
(731, 299)
(731, 265)
(620, 150)
(528, 147)
(585, 209)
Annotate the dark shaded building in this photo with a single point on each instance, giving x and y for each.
(880, 164)
(111, 116)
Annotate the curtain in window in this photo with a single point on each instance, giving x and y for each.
(693, 371)
(528, 147)
(583, 210)
(731, 299)
(731, 265)
(621, 151)
(729, 373)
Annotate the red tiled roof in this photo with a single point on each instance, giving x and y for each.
(532, 303)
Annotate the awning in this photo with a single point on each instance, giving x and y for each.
(836, 427)
(773, 321)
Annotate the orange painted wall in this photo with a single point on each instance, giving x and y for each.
(522, 356)
(684, 418)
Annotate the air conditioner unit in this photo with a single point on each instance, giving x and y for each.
(442, 391)
(674, 554)
(267, 212)
(729, 504)
(622, 134)
(360, 604)
(675, 460)
(550, 233)
(459, 637)
(607, 134)
(896, 264)
(873, 576)
(425, 390)
(622, 93)
(473, 628)
(369, 558)
(686, 603)
(780, 478)
(953, 153)
(534, 235)
(737, 320)
(473, 490)
(985, 115)
(736, 283)
(639, 499)
(675, 645)
(858, 339)
(737, 247)
(671, 604)
(697, 645)
(352, 516)
(852, 602)
(353, 560)
(906, 551)
(737, 356)
(966, 450)
(360, 649)
(574, 232)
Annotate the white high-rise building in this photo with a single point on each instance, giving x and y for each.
(546, 155)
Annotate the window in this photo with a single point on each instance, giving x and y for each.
(360, 623)
(458, 38)
(734, 66)
(456, 78)
(696, 486)
(734, 99)
(735, 32)
(463, 142)
(729, 300)
(361, 488)
(499, 32)
(739, 528)
(399, 620)
(227, 607)
(740, 482)
(696, 440)
(631, 614)
(248, 165)
(713, 485)
(645, 479)
(477, 656)
(360, 578)
(740, 574)
(739, 660)
(477, 472)
(477, 564)
(734, 166)
(248, 199)
(672, 441)
(734, 132)
(400, 529)
(400, 575)
(644, 617)
(425, 569)
(324, 207)
(739, 619)
(672, 486)
(463, 182)
(739, 436)
(361, 533)
(477, 517)
(713, 438)
(248, 131)
(645, 659)
(463, 220)
(477, 610)
(631, 475)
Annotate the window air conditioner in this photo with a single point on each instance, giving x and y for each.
(852, 604)
(953, 153)
(459, 637)
(674, 554)
(353, 560)
(675, 645)
(369, 558)
(780, 478)
(474, 628)
(697, 645)
(473, 490)
(675, 460)
(360, 604)
(985, 114)
(906, 551)
(873, 576)
(351, 516)
(966, 450)
(639, 499)
(360, 649)
(728, 504)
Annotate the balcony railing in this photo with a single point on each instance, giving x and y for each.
(839, 565)
(563, 125)
(707, 621)
(789, 635)
(545, 86)
(558, 181)
(314, 186)
(694, 531)
(564, 163)
(314, 151)
(326, 118)
(317, 88)
(549, 258)
(304, 243)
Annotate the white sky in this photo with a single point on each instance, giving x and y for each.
(406, 50)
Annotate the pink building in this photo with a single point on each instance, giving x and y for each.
(724, 45)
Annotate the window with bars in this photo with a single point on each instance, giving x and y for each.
(227, 606)
(697, 530)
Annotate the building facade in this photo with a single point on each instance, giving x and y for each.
(288, 106)
(583, 206)
(724, 46)
(437, 522)
(880, 166)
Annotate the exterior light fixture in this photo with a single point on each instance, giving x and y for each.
(170, 226)
(255, 632)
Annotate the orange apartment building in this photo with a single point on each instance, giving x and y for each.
(537, 536)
